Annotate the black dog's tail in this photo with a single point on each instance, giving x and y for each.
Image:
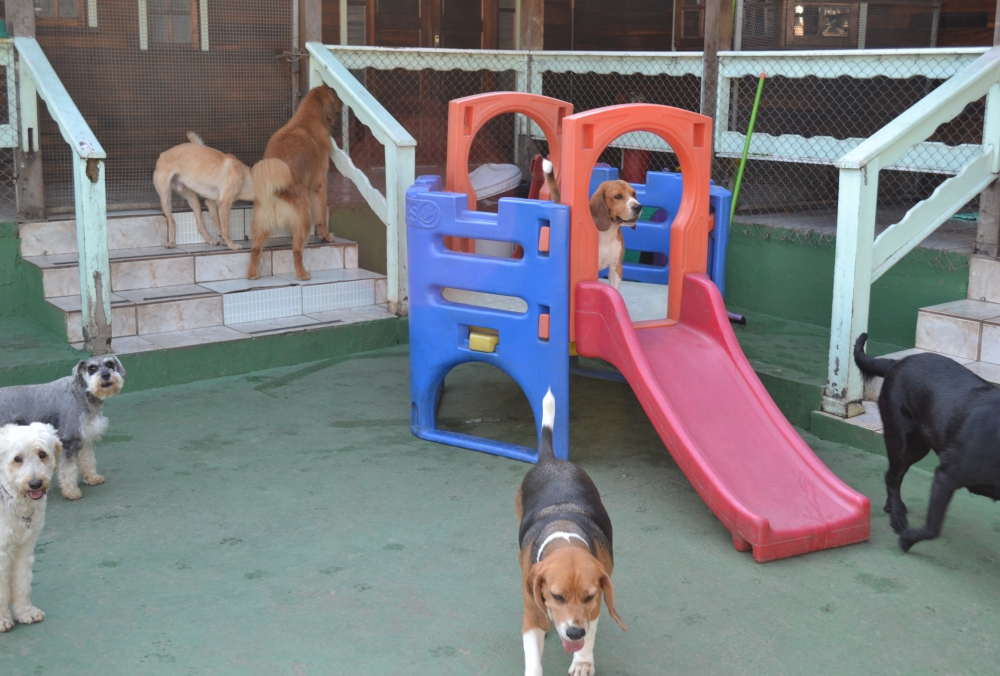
(870, 366)
(545, 450)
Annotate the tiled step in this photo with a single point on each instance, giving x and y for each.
(156, 266)
(968, 329)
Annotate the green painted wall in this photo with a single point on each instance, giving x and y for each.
(789, 274)
(361, 225)
(13, 302)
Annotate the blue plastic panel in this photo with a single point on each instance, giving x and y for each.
(439, 328)
(663, 189)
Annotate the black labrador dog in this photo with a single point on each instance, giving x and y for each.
(930, 401)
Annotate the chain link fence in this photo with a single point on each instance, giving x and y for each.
(8, 133)
(144, 73)
(815, 107)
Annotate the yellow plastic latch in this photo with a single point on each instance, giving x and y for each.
(572, 349)
(483, 340)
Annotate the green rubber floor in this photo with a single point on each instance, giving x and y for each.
(287, 522)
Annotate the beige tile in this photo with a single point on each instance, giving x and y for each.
(179, 315)
(314, 258)
(122, 323)
(870, 419)
(135, 232)
(237, 285)
(990, 372)
(966, 309)
(351, 255)
(144, 274)
(984, 279)
(132, 344)
(167, 293)
(948, 335)
(230, 265)
(989, 351)
(61, 281)
(47, 238)
(381, 290)
(211, 334)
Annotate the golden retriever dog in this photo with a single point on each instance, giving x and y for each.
(290, 182)
(193, 169)
(612, 206)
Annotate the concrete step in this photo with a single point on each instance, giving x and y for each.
(984, 279)
(968, 329)
(133, 231)
(268, 305)
(157, 266)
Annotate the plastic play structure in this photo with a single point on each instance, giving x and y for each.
(694, 383)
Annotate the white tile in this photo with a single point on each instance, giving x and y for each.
(984, 279)
(137, 231)
(228, 265)
(327, 276)
(948, 335)
(277, 325)
(644, 301)
(989, 351)
(381, 290)
(337, 296)
(211, 334)
(314, 258)
(990, 372)
(235, 285)
(74, 304)
(870, 419)
(261, 304)
(143, 274)
(145, 253)
(47, 237)
(132, 344)
(167, 293)
(179, 315)
(187, 229)
(966, 309)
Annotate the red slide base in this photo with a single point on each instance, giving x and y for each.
(714, 415)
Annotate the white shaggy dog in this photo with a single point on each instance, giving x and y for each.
(28, 457)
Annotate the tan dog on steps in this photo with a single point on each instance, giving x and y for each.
(193, 169)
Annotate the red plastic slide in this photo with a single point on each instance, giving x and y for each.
(721, 426)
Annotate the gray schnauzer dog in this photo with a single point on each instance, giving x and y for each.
(74, 405)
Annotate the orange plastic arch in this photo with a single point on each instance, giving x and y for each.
(466, 116)
(586, 135)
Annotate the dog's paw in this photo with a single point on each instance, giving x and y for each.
(6, 622)
(28, 615)
(909, 538)
(95, 480)
(304, 277)
(329, 237)
(253, 276)
(235, 247)
(581, 668)
(72, 493)
(547, 167)
(170, 245)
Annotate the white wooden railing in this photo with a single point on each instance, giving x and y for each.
(861, 257)
(38, 78)
(400, 163)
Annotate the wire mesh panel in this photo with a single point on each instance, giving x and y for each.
(8, 133)
(144, 72)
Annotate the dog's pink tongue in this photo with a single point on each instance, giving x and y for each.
(572, 646)
(36, 495)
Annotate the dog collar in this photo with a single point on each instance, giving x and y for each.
(559, 534)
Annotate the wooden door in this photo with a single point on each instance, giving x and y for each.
(455, 24)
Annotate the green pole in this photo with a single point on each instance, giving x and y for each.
(746, 145)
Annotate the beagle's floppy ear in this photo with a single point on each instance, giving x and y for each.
(533, 585)
(609, 599)
(599, 210)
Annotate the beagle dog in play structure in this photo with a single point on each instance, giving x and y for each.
(565, 554)
(612, 206)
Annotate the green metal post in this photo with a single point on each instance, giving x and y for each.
(746, 145)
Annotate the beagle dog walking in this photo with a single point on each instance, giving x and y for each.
(612, 206)
(565, 554)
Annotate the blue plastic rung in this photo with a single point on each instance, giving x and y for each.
(439, 328)
(663, 189)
